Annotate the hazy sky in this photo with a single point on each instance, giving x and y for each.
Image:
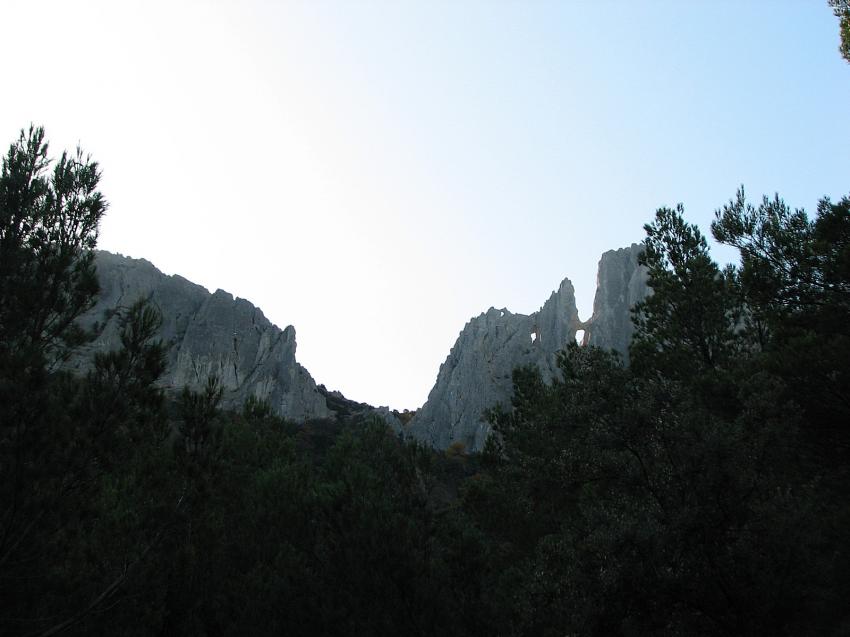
(377, 173)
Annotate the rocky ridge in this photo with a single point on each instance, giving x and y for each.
(477, 373)
(216, 334)
(620, 284)
(205, 334)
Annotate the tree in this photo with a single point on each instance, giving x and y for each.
(672, 497)
(48, 229)
(688, 324)
(790, 265)
(87, 500)
(82, 500)
(199, 411)
(841, 8)
(795, 277)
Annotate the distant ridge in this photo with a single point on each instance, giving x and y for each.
(216, 334)
(477, 372)
(205, 334)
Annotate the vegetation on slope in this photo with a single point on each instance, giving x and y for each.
(703, 490)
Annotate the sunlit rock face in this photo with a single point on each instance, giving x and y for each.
(205, 334)
(477, 373)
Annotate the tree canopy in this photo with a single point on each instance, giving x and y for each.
(701, 490)
(841, 8)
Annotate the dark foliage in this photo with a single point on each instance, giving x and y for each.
(701, 491)
(841, 8)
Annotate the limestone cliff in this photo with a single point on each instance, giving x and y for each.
(477, 373)
(218, 334)
(620, 283)
(205, 334)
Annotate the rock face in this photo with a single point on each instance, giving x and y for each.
(218, 334)
(477, 373)
(620, 283)
(205, 334)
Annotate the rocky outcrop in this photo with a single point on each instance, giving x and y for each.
(620, 283)
(477, 373)
(216, 334)
(352, 411)
(205, 334)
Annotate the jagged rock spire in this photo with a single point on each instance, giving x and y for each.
(477, 373)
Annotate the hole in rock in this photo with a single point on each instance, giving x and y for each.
(533, 336)
(580, 337)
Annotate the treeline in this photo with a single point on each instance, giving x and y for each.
(123, 511)
(703, 490)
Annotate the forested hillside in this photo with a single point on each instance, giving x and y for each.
(700, 490)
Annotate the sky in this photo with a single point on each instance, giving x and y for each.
(378, 173)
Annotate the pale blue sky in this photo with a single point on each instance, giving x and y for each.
(377, 173)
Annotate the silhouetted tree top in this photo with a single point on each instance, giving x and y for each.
(841, 8)
(48, 228)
